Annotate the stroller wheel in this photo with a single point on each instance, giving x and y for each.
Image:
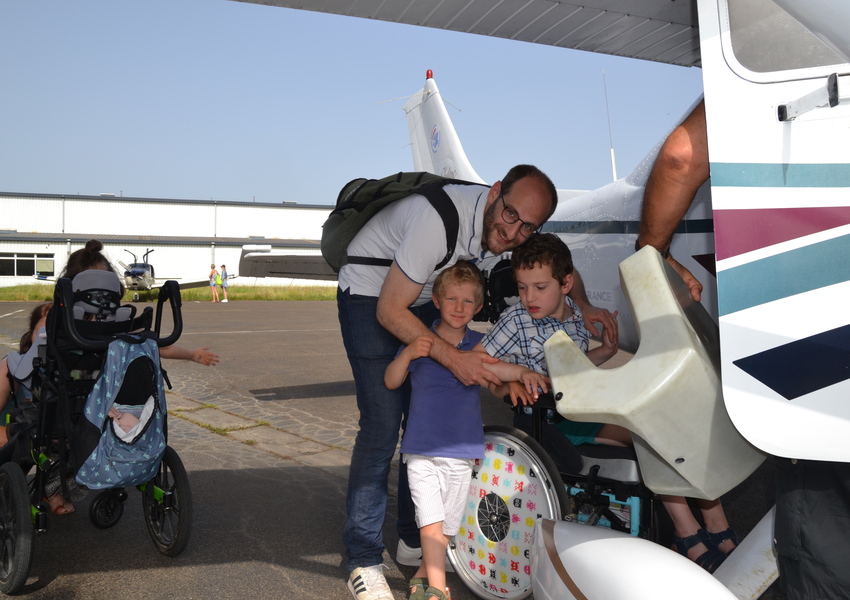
(16, 529)
(107, 507)
(167, 502)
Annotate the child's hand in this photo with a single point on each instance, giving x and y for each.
(519, 393)
(611, 346)
(204, 357)
(531, 381)
(420, 347)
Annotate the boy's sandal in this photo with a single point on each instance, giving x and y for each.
(420, 583)
(708, 560)
(433, 592)
(718, 538)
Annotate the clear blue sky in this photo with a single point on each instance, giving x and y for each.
(223, 100)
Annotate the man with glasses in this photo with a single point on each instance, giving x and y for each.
(381, 308)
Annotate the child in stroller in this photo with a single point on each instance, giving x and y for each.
(99, 363)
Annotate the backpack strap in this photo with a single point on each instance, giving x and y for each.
(439, 199)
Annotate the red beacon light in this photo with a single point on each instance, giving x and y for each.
(429, 74)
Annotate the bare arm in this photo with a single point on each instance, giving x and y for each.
(202, 356)
(679, 171)
(399, 292)
(602, 353)
(530, 380)
(396, 372)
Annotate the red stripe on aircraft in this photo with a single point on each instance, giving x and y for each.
(740, 231)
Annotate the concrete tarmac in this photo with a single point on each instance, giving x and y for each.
(266, 437)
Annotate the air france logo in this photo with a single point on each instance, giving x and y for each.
(435, 139)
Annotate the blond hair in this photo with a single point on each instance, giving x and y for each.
(462, 271)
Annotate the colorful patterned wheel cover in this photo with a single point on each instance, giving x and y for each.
(510, 490)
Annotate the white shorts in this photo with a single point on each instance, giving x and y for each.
(439, 487)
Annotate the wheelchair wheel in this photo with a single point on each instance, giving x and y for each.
(514, 485)
(16, 529)
(167, 502)
(106, 508)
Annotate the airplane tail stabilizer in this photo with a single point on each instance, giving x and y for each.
(436, 145)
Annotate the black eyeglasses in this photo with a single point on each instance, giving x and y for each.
(510, 216)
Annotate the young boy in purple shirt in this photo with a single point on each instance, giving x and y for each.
(444, 433)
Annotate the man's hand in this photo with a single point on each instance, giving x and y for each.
(693, 284)
(467, 368)
(594, 314)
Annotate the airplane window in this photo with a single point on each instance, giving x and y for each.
(765, 39)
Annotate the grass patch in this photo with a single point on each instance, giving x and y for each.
(44, 293)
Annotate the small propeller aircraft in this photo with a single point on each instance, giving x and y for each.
(140, 276)
(775, 215)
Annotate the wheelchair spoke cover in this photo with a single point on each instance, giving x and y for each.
(514, 485)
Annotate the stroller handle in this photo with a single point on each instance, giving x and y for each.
(170, 291)
(63, 300)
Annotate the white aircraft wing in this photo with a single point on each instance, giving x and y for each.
(656, 30)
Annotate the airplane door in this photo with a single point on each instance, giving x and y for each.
(778, 118)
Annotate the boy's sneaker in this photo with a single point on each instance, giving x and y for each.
(368, 583)
(412, 557)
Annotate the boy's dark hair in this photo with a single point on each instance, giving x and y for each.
(545, 249)
(519, 172)
(462, 271)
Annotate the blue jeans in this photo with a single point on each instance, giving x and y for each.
(370, 349)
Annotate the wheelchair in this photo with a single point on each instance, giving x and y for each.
(530, 472)
(669, 396)
(44, 450)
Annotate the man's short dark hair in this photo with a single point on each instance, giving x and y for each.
(522, 171)
(544, 249)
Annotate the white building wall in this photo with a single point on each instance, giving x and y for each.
(121, 216)
(104, 217)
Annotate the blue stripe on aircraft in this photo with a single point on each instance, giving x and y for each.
(795, 272)
(780, 175)
(617, 227)
(804, 366)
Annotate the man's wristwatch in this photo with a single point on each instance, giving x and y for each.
(664, 253)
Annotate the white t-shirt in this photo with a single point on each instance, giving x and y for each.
(411, 232)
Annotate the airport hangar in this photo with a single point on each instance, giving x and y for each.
(39, 231)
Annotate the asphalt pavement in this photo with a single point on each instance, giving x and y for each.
(266, 437)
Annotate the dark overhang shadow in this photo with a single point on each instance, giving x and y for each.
(329, 389)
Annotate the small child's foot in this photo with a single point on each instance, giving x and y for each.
(417, 586)
(58, 505)
(433, 592)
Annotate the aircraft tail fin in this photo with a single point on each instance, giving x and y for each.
(436, 145)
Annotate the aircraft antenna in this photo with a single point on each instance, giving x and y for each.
(610, 138)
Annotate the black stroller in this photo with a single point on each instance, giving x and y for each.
(96, 423)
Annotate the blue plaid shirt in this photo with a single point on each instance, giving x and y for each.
(518, 338)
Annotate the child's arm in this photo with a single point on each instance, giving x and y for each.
(201, 356)
(396, 372)
(521, 382)
(529, 379)
(601, 354)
